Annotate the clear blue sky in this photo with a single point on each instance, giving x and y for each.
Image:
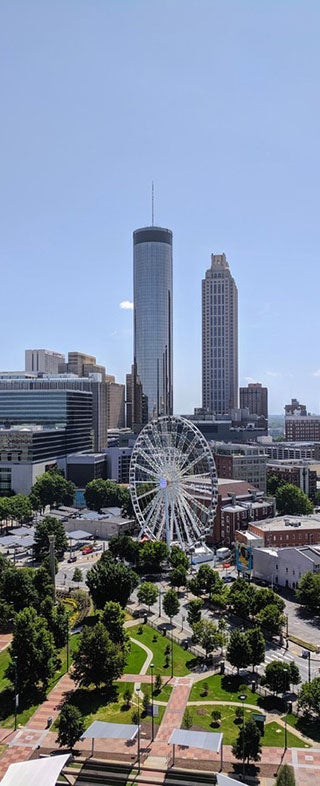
(217, 101)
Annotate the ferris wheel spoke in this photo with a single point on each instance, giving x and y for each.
(196, 502)
(154, 505)
(185, 520)
(157, 516)
(198, 491)
(192, 518)
(187, 467)
(147, 493)
(151, 461)
(146, 471)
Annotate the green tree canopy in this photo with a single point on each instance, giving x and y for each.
(148, 593)
(77, 575)
(309, 697)
(238, 652)
(241, 597)
(178, 577)
(125, 547)
(97, 660)
(111, 580)
(257, 646)
(209, 580)
(279, 675)
(20, 507)
(208, 635)
(285, 776)
(293, 501)
(52, 489)
(152, 555)
(273, 483)
(194, 611)
(104, 494)
(113, 617)
(248, 746)
(265, 596)
(33, 647)
(171, 603)
(178, 557)
(49, 526)
(271, 619)
(70, 726)
(308, 592)
(18, 588)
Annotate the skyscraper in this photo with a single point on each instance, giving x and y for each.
(219, 338)
(151, 378)
(255, 398)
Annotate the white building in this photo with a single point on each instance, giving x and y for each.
(285, 567)
(43, 361)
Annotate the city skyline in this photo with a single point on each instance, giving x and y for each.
(100, 100)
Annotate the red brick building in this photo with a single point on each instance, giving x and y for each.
(239, 503)
(284, 531)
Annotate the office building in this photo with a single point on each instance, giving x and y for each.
(81, 365)
(300, 473)
(283, 531)
(302, 428)
(115, 403)
(242, 462)
(295, 408)
(254, 397)
(43, 361)
(239, 503)
(219, 338)
(151, 377)
(293, 450)
(93, 384)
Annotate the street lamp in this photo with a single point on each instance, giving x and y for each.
(16, 695)
(243, 698)
(285, 671)
(152, 719)
(138, 692)
(171, 654)
(160, 596)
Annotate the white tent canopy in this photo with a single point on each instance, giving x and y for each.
(197, 739)
(224, 780)
(35, 772)
(79, 534)
(116, 731)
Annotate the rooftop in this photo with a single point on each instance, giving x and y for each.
(287, 523)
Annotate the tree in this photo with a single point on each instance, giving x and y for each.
(238, 652)
(125, 547)
(147, 593)
(52, 489)
(127, 509)
(194, 611)
(20, 508)
(110, 580)
(285, 776)
(152, 554)
(273, 483)
(208, 635)
(293, 501)
(271, 619)
(33, 646)
(103, 494)
(171, 603)
(241, 597)
(187, 722)
(18, 588)
(178, 577)
(146, 699)
(113, 617)
(280, 675)
(127, 695)
(97, 660)
(49, 526)
(309, 697)
(265, 596)
(158, 683)
(209, 580)
(77, 575)
(70, 726)
(178, 557)
(257, 646)
(216, 717)
(248, 745)
(308, 592)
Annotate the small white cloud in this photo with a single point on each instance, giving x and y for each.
(273, 373)
(316, 373)
(127, 305)
(249, 379)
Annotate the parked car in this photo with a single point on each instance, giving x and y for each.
(73, 558)
(87, 550)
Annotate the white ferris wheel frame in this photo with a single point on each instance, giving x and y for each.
(181, 504)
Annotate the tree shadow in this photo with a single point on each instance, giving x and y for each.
(89, 700)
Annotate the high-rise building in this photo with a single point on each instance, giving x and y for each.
(82, 365)
(254, 397)
(115, 403)
(219, 338)
(43, 361)
(151, 378)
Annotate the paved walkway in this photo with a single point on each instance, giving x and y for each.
(5, 640)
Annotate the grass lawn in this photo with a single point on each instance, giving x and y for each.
(273, 736)
(183, 661)
(224, 687)
(164, 694)
(4, 662)
(104, 705)
(136, 659)
(309, 727)
(2, 749)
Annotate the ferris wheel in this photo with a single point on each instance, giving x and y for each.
(173, 482)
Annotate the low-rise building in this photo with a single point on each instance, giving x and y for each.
(285, 567)
(304, 428)
(283, 531)
(242, 462)
(299, 473)
(239, 503)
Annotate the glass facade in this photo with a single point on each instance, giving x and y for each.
(152, 284)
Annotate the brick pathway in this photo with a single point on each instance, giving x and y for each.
(5, 640)
(52, 705)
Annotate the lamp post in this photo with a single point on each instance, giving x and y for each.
(309, 666)
(243, 698)
(16, 695)
(171, 654)
(160, 596)
(152, 718)
(68, 645)
(138, 692)
(285, 671)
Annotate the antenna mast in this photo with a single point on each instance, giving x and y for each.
(152, 204)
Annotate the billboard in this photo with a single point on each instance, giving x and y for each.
(244, 558)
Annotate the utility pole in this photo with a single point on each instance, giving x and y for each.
(16, 695)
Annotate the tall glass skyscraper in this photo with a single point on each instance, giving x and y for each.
(151, 381)
(219, 338)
